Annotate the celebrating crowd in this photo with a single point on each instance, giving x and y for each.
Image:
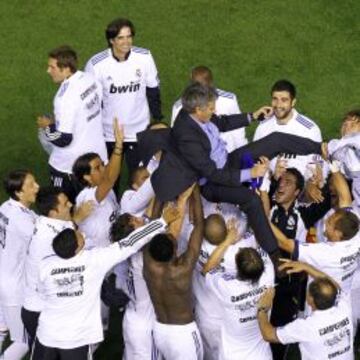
(220, 247)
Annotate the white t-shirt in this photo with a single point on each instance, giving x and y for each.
(16, 228)
(325, 334)
(96, 226)
(240, 333)
(299, 125)
(124, 86)
(40, 247)
(71, 290)
(337, 259)
(77, 109)
(226, 104)
(135, 202)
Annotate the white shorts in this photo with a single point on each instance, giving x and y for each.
(138, 336)
(210, 335)
(12, 316)
(178, 342)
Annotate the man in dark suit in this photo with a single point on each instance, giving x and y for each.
(199, 154)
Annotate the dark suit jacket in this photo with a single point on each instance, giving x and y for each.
(190, 158)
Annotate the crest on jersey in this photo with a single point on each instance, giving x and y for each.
(138, 73)
(291, 222)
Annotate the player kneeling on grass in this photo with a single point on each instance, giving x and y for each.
(70, 283)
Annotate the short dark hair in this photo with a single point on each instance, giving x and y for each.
(115, 26)
(197, 95)
(284, 85)
(134, 174)
(250, 265)
(47, 199)
(347, 223)
(324, 293)
(65, 243)
(121, 228)
(204, 72)
(299, 179)
(14, 182)
(215, 230)
(65, 57)
(82, 167)
(161, 248)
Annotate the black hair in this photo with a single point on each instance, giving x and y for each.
(134, 174)
(82, 167)
(324, 293)
(113, 29)
(284, 85)
(14, 182)
(47, 199)
(250, 265)
(299, 179)
(161, 248)
(65, 57)
(121, 227)
(65, 243)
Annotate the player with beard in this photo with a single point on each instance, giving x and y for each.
(285, 118)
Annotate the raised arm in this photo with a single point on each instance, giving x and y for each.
(340, 185)
(112, 169)
(175, 227)
(284, 242)
(293, 267)
(217, 255)
(197, 234)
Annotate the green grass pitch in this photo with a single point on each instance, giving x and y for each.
(248, 45)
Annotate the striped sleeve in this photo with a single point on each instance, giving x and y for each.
(109, 256)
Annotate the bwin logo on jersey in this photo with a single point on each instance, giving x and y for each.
(133, 87)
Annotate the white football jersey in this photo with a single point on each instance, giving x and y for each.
(299, 125)
(77, 109)
(240, 333)
(135, 202)
(16, 228)
(124, 89)
(226, 104)
(96, 226)
(71, 287)
(338, 259)
(325, 334)
(40, 247)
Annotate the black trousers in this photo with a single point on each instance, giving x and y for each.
(132, 159)
(42, 352)
(66, 182)
(270, 146)
(30, 320)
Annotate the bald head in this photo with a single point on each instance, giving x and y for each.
(215, 229)
(203, 75)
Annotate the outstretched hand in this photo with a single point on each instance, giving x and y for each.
(118, 132)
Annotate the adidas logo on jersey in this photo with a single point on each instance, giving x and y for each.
(133, 87)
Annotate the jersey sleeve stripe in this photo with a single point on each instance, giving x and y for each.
(304, 122)
(140, 50)
(132, 239)
(226, 94)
